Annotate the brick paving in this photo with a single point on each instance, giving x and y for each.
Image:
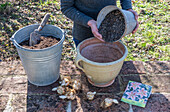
(18, 95)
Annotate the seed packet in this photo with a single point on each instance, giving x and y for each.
(136, 94)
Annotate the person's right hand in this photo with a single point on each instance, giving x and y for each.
(93, 25)
(136, 17)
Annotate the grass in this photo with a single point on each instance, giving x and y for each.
(150, 43)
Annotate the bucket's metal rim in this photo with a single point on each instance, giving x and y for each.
(36, 50)
(107, 10)
(101, 64)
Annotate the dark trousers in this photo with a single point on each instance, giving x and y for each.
(76, 41)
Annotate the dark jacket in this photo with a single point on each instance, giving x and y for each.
(81, 11)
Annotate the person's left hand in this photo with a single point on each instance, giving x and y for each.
(136, 17)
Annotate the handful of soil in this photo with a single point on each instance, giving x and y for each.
(44, 43)
(113, 26)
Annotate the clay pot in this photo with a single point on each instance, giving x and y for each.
(100, 61)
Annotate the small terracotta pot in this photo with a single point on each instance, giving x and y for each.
(95, 59)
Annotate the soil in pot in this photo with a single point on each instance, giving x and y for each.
(44, 42)
(101, 53)
(113, 26)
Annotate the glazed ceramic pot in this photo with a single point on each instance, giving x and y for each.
(100, 61)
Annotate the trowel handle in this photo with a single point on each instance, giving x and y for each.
(44, 21)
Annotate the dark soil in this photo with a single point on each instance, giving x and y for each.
(113, 26)
(44, 43)
(106, 54)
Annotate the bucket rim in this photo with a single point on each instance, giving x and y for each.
(97, 63)
(16, 44)
(112, 7)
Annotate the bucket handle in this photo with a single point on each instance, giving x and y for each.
(12, 39)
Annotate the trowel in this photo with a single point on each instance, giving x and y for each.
(35, 36)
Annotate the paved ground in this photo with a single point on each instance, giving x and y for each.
(18, 95)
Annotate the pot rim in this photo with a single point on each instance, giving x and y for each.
(100, 64)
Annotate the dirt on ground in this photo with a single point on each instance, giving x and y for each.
(44, 43)
(113, 26)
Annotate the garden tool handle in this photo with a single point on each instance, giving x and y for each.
(44, 21)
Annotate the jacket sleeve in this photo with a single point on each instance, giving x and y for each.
(70, 11)
(126, 4)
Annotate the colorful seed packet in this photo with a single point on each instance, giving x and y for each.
(136, 94)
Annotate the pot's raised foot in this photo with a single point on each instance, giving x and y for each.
(101, 84)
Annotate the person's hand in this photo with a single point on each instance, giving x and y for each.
(94, 29)
(136, 17)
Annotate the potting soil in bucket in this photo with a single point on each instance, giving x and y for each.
(44, 42)
(42, 61)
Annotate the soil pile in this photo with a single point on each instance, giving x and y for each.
(44, 43)
(113, 26)
(108, 53)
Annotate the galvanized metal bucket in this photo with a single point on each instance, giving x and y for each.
(42, 66)
(130, 22)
